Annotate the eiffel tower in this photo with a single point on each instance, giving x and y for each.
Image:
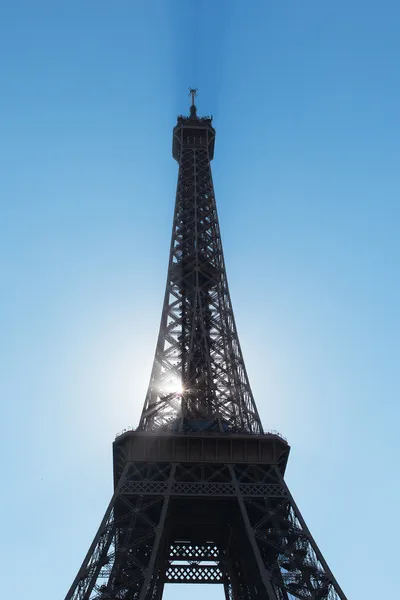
(199, 488)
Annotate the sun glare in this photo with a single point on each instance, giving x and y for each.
(174, 386)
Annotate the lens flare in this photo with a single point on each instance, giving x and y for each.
(173, 386)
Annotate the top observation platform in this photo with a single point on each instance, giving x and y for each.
(193, 132)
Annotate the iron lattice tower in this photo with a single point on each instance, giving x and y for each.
(200, 495)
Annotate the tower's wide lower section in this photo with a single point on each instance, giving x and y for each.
(202, 521)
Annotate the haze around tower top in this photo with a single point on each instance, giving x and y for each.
(305, 102)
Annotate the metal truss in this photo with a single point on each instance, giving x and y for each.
(199, 523)
(199, 374)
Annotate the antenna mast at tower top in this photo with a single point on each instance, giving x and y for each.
(193, 109)
(193, 94)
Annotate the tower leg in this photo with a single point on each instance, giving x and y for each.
(96, 556)
(318, 557)
(122, 556)
(286, 548)
(265, 576)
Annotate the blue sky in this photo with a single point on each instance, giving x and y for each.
(305, 99)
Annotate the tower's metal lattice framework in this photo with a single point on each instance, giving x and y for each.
(200, 495)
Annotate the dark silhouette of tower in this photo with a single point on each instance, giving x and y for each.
(200, 495)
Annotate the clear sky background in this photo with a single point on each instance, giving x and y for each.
(305, 98)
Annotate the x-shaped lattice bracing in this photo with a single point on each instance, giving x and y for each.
(198, 342)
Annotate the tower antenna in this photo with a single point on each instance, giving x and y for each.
(193, 93)
(193, 109)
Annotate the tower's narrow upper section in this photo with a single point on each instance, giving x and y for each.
(199, 380)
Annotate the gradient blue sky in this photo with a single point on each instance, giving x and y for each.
(305, 97)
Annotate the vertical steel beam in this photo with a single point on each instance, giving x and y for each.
(150, 574)
(265, 575)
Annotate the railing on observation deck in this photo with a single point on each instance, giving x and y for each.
(205, 433)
